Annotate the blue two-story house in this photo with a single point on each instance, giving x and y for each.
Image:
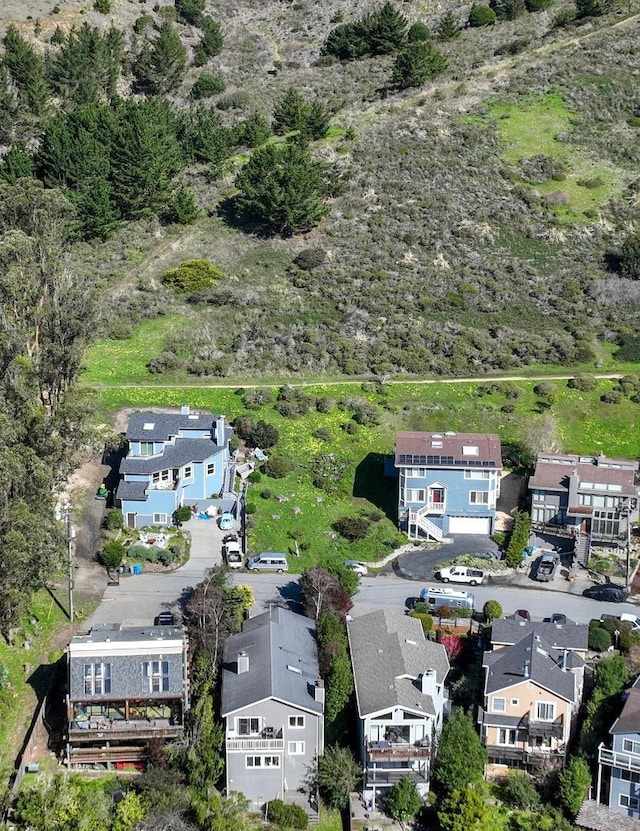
(622, 759)
(448, 483)
(173, 459)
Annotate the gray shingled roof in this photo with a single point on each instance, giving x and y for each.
(389, 653)
(176, 455)
(530, 658)
(559, 635)
(629, 720)
(596, 817)
(132, 490)
(273, 641)
(166, 425)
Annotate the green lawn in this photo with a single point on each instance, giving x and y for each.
(20, 692)
(539, 127)
(577, 422)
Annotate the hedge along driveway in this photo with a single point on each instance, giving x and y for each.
(577, 421)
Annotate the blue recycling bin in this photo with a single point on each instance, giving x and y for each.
(137, 568)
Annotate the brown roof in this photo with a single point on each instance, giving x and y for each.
(448, 449)
(629, 721)
(596, 817)
(554, 475)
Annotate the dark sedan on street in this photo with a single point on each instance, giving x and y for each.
(609, 592)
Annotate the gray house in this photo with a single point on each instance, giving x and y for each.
(273, 707)
(622, 759)
(126, 686)
(590, 498)
(399, 681)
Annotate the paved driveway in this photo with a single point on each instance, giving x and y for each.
(138, 599)
(422, 563)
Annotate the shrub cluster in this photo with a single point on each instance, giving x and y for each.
(191, 275)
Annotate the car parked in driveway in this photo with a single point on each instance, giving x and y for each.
(355, 565)
(558, 618)
(231, 551)
(522, 615)
(546, 567)
(608, 591)
(226, 522)
(461, 574)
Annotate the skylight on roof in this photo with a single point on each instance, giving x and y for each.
(470, 450)
(148, 425)
(291, 668)
(436, 443)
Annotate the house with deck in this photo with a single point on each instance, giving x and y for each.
(273, 709)
(399, 683)
(126, 688)
(533, 684)
(619, 765)
(448, 483)
(174, 459)
(592, 499)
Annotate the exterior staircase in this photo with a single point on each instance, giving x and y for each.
(418, 522)
(582, 548)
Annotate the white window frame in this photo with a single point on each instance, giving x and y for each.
(515, 702)
(295, 748)
(473, 497)
(629, 746)
(160, 519)
(415, 495)
(415, 472)
(296, 722)
(187, 473)
(507, 736)
(540, 704)
(97, 678)
(144, 448)
(253, 762)
(630, 776)
(630, 802)
(155, 676)
(477, 474)
(211, 468)
(495, 708)
(250, 720)
(161, 476)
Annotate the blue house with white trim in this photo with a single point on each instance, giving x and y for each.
(448, 483)
(622, 759)
(173, 459)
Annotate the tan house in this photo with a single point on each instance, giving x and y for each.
(532, 693)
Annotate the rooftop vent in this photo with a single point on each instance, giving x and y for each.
(413, 643)
(148, 425)
(470, 450)
(291, 668)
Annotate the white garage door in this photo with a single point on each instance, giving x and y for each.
(469, 525)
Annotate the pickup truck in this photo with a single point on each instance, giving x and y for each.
(461, 574)
(547, 565)
(231, 551)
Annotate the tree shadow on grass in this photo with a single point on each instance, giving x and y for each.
(370, 483)
(230, 215)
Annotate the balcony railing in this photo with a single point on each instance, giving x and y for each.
(396, 751)
(88, 731)
(391, 777)
(435, 507)
(616, 759)
(255, 744)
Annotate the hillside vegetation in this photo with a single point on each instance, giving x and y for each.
(474, 223)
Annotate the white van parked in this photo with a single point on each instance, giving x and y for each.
(461, 574)
(268, 561)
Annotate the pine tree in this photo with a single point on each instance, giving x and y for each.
(203, 137)
(254, 131)
(461, 756)
(449, 27)
(26, 68)
(211, 43)
(386, 30)
(145, 157)
(17, 164)
(347, 42)
(417, 63)
(183, 208)
(162, 64)
(290, 113)
(283, 187)
(318, 120)
(190, 10)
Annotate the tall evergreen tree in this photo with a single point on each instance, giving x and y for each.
(386, 29)
(211, 43)
(18, 163)
(203, 137)
(461, 756)
(449, 27)
(161, 65)
(318, 120)
(283, 187)
(290, 113)
(27, 71)
(348, 42)
(145, 157)
(417, 63)
(190, 10)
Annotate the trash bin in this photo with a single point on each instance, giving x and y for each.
(136, 568)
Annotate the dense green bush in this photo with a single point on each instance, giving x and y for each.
(630, 256)
(112, 554)
(538, 5)
(114, 519)
(519, 539)
(481, 16)
(584, 383)
(518, 790)
(207, 85)
(102, 6)
(492, 610)
(425, 619)
(191, 275)
(419, 31)
(599, 637)
(277, 467)
(287, 815)
(353, 528)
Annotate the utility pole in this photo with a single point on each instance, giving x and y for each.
(630, 508)
(70, 560)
